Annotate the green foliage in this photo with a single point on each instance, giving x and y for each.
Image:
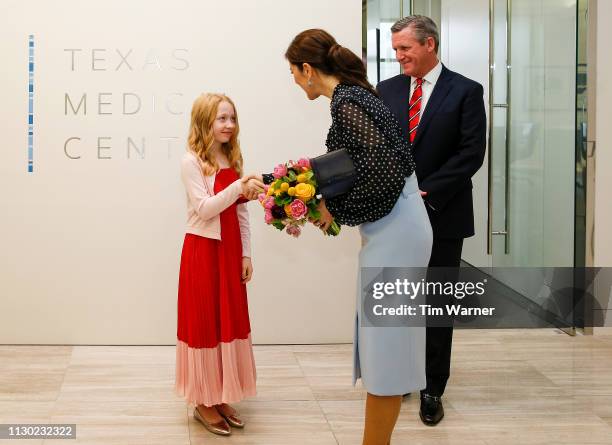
(278, 224)
(283, 200)
(314, 213)
(334, 229)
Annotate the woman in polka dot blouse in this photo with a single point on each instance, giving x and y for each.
(386, 205)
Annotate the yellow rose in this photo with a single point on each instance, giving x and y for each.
(301, 178)
(304, 191)
(284, 186)
(288, 209)
(291, 191)
(270, 191)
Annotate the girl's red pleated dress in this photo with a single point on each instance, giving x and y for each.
(214, 355)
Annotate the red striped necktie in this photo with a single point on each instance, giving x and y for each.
(414, 112)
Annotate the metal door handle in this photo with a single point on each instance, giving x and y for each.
(507, 106)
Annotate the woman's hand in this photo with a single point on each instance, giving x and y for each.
(251, 186)
(247, 269)
(326, 218)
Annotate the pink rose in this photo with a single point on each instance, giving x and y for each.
(304, 163)
(298, 209)
(294, 231)
(269, 217)
(269, 203)
(279, 171)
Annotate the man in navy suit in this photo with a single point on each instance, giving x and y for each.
(443, 115)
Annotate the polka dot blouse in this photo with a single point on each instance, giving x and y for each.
(372, 136)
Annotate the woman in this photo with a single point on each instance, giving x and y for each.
(386, 205)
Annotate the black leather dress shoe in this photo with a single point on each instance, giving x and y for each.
(431, 411)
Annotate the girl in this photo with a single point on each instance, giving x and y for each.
(214, 357)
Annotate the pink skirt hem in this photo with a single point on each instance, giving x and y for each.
(211, 376)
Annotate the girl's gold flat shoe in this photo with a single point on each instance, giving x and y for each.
(233, 420)
(221, 428)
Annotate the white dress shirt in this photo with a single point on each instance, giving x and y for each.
(429, 82)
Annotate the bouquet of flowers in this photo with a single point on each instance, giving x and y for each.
(291, 199)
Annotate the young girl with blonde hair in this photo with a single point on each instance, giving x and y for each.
(214, 356)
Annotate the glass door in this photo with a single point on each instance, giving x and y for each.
(380, 15)
(533, 137)
(532, 141)
(380, 58)
(537, 119)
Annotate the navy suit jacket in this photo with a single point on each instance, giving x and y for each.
(449, 147)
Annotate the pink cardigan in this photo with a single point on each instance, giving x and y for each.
(204, 207)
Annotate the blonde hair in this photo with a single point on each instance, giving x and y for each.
(201, 137)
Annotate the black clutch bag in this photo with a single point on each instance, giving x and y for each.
(335, 173)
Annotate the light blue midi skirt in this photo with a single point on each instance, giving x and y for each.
(391, 360)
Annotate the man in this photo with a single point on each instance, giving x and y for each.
(442, 113)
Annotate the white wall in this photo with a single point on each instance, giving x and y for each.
(602, 236)
(90, 247)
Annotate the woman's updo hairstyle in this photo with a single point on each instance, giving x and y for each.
(319, 49)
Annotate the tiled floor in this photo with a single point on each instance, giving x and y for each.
(507, 387)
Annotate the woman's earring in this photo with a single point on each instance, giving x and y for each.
(309, 82)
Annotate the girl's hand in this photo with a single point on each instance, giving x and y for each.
(326, 218)
(251, 186)
(247, 269)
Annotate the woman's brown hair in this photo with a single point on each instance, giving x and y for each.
(320, 50)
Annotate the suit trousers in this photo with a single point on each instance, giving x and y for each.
(444, 253)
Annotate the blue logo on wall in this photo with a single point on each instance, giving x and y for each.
(31, 104)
